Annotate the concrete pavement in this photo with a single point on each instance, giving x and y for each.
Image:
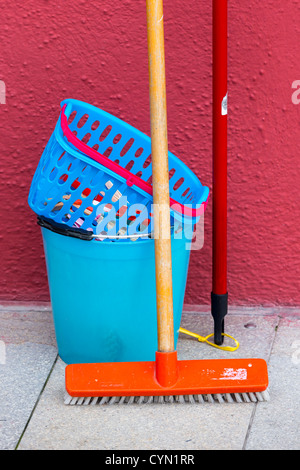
(33, 415)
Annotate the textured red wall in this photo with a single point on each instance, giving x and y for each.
(96, 51)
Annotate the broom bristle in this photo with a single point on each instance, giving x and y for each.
(252, 397)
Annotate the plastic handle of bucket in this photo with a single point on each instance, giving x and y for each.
(82, 234)
(130, 178)
(63, 229)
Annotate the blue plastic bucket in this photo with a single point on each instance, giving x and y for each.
(103, 296)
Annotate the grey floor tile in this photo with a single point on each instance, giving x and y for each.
(22, 376)
(19, 325)
(162, 427)
(276, 425)
(254, 333)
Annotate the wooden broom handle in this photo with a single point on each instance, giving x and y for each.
(160, 175)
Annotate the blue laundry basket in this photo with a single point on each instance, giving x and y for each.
(96, 173)
(103, 296)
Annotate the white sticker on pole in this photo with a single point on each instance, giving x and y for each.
(224, 105)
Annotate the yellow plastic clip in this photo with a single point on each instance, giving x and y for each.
(204, 339)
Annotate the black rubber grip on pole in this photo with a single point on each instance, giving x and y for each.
(219, 309)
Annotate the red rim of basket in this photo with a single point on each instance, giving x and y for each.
(130, 178)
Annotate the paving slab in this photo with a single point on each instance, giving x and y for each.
(22, 378)
(253, 330)
(276, 425)
(20, 324)
(27, 354)
(55, 426)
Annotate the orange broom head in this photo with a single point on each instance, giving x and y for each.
(166, 376)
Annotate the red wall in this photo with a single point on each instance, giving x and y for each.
(96, 51)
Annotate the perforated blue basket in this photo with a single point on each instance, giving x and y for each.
(96, 173)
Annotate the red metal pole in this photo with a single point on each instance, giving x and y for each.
(219, 288)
